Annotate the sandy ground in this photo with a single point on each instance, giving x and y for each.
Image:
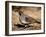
(34, 26)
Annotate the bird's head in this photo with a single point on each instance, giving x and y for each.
(20, 13)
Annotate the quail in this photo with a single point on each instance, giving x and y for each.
(25, 19)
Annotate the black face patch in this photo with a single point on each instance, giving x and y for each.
(20, 12)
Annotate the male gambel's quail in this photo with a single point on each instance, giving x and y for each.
(26, 19)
